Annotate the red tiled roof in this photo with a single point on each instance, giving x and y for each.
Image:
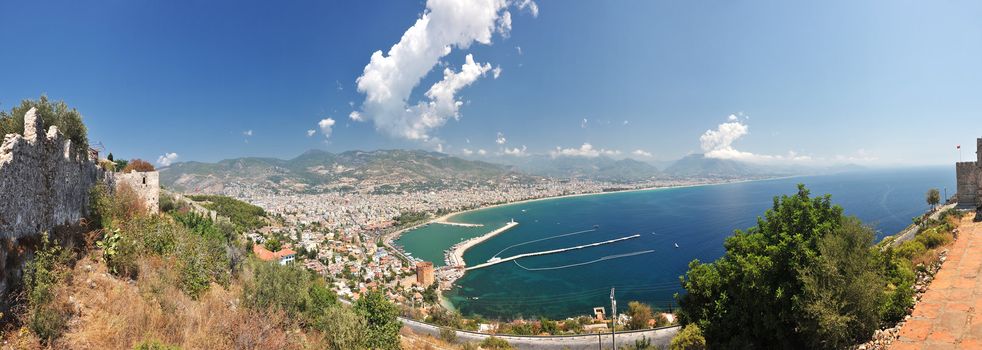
(264, 254)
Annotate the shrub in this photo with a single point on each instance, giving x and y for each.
(244, 216)
(804, 276)
(41, 276)
(495, 343)
(138, 165)
(297, 292)
(640, 315)
(448, 335)
(911, 249)
(383, 325)
(688, 338)
(343, 328)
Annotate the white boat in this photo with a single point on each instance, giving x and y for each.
(494, 259)
(676, 245)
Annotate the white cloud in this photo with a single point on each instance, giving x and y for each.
(519, 49)
(326, 126)
(466, 152)
(518, 152)
(496, 72)
(583, 123)
(389, 78)
(718, 144)
(625, 122)
(500, 139)
(482, 152)
(167, 159)
(585, 150)
(641, 153)
(438, 148)
(356, 116)
(311, 132)
(247, 133)
(531, 5)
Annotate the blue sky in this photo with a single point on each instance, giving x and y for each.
(877, 82)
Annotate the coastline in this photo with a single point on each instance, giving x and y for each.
(446, 217)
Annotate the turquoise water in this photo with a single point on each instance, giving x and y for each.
(698, 219)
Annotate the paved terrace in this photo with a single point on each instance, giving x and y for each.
(949, 316)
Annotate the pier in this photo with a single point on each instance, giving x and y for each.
(456, 256)
(460, 224)
(494, 261)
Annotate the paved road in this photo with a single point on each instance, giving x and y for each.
(949, 315)
(911, 231)
(659, 338)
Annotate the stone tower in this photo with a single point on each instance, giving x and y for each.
(968, 176)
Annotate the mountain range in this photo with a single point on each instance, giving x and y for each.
(383, 171)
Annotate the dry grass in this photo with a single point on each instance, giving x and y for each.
(113, 313)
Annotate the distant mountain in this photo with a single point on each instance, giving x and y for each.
(319, 171)
(594, 168)
(698, 165)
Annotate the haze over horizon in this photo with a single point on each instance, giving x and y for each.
(877, 83)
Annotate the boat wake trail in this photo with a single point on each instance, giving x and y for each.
(540, 240)
(609, 257)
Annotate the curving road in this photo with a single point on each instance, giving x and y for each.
(659, 338)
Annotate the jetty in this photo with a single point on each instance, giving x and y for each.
(460, 224)
(455, 257)
(497, 260)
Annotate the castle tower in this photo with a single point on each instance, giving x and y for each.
(968, 176)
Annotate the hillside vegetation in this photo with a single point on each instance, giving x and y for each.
(179, 280)
(806, 276)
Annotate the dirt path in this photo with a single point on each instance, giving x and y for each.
(949, 316)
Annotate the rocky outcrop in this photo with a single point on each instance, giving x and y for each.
(44, 182)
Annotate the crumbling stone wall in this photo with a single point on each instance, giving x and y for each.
(44, 182)
(145, 184)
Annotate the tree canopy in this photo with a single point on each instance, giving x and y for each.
(805, 276)
(59, 114)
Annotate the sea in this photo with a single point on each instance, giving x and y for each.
(674, 226)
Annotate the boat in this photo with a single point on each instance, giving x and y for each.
(596, 226)
(676, 245)
(494, 259)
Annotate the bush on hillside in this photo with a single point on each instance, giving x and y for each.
(299, 293)
(804, 276)
(138, 165)
(45, 316)
(640, 315)
(245, 216)
(383, 323)
(495, 343)
(688, 338)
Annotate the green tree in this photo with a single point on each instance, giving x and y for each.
(382, 329)
(67, 119)
(933, 197)
(273, 244)
(343, 328)
(689, 338)
(640, 315)
(767, 289)
(841, 289)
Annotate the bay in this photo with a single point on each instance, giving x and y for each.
(647, 268)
